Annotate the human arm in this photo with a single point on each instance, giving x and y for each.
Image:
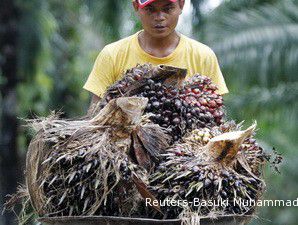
(100, 78)
(102, 74)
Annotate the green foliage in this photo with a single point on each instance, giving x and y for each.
(36, 26)
(64, 73)
(265, 36)
(51, 66)
(239, 5)
(107, 17)
(197, 13)
(48, 58)
(257, 46)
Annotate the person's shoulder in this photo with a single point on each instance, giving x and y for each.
(119, 45)
(197, 47)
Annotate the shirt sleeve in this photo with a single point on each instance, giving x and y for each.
(212, 69)
(102, 74)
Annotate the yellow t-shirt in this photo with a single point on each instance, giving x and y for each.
(117, 57)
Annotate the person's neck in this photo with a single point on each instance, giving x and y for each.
(159, 47)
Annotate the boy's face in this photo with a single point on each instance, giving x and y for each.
(160, 18)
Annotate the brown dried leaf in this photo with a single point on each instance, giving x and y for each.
(143, 190)
(140, 153)
(153, 138)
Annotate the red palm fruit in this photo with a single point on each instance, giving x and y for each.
(212, 87)
(196, 90)
(212, 104)
(203, 101)
(219, 101)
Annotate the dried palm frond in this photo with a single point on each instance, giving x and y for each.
(82, 167)
(217, 165)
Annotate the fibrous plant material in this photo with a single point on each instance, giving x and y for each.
(107, 161)
(84, 168)
(221, 165)
(180, 106)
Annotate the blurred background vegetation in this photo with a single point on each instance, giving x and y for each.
(48, 47)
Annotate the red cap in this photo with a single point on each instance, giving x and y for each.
(143, 3)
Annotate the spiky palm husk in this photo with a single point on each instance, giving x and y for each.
(188, 171)
(83, 167)
(96, 165)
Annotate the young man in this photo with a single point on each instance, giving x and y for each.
(157, 43)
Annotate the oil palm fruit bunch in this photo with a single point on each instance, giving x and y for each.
(91, 167)
(201, 135)
(89, 183)
(136, 79)
(225, 171)
(180, 109)
(200, 93)
(178, 105)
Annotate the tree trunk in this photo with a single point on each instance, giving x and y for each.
(9, 163)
